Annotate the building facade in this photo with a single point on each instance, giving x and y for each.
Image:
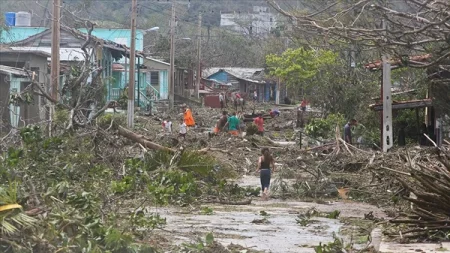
(14, 79)
(259, 22)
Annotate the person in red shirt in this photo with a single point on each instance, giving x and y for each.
(303, 105)
(259, 122)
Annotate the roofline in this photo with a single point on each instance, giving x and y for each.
(158, 61)
(409, 104)
(14, 71)
(76, 33)
(19, 51)
(241, 78)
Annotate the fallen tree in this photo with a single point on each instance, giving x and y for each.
(141, 139)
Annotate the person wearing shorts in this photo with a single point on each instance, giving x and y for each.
(183, 129)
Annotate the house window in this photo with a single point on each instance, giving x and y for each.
(154, 78)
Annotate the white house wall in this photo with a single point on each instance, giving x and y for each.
(163, 84)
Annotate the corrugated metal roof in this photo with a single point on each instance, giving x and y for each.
(249, 74)
(9, 50)
(15, 71)
(80, 35)
(377, 65)
(65, 54)
(158, 61)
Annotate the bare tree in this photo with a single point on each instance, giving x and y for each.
(410, 27)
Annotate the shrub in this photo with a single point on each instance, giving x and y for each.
(325, 128)
(252, 129)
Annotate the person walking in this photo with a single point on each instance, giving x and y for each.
(167, 126)
(242, 102)
(303, 105)
(348, 130)
(259, 122)
(221, 100)
(265, 163)
(255, 96)
(236, 98)
(183, 129)
(188, 119)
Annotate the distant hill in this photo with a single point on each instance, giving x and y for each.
(117, 12)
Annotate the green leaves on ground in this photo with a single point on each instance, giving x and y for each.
(85, 196)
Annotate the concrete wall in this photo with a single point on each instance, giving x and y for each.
(19, 60)
(15, 33)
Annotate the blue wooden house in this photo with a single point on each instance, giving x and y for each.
(243, 80)
(110, 50)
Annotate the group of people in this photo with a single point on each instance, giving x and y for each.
(234, 124)
(236, 98)
(185, 122)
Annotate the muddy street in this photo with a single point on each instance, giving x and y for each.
(266, 226)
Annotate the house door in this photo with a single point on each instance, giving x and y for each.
(163, 84)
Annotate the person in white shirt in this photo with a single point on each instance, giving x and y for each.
(222, 101)
(255, 96)
(168, 126)
(183, 129)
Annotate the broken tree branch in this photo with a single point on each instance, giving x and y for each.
(142, 140)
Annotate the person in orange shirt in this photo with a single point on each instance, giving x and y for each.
(188, 119)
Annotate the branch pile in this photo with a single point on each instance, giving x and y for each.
(430, 184)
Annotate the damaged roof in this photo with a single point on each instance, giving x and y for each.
(12, 50)
(123, 49)
(396, 62)
(14, 71)
(255, 75)
(409, 104)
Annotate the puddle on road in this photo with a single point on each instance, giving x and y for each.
(282, 234)
(233, 224)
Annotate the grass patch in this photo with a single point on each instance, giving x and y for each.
(357, 229)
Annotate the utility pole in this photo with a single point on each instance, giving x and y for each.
(54, 72)
(277, 95)
(387, 131)
(172, 58)
(54, 68)
(199, 57)
(130, 112)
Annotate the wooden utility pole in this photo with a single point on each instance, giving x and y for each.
(277, 95)
(172, 58)
(387, 131)
(130, 113)
(54, 72)
(199, 57)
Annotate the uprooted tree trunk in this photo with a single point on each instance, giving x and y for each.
(141, 139)
(430, 183)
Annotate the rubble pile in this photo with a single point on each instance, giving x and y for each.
(405, 175)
